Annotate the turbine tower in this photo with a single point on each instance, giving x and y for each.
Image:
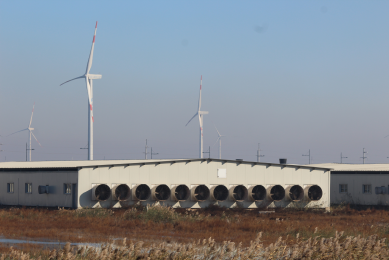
(89, 87)
(200, 114)
(29, 128)
(220, 142)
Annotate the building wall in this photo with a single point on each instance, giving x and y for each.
(197, 172)
(55, 180)
(354, 194)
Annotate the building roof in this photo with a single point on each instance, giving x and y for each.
(107, 163)
(353, 167)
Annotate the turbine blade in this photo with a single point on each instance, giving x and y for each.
(191, 119)
(89, 65)
(31, 115)
(216, 141)
(36, 139)
(201, 83)
(73, 79)
(17, 132)
(217, 131)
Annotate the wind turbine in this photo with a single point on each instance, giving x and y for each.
(200, 115)
(220, 142)
(89, 87)
(29, 128)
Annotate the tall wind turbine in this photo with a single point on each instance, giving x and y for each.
(29, 128)
(200, 114)
(220, 142)
(89, 87)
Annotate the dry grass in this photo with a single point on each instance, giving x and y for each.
(338, 247)
(160, 224)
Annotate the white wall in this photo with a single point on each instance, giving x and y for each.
(198, 172)
(355, 183)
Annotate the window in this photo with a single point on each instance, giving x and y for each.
(67, 188)
(342, 188)
(380, 190)
(28, 188)
(366, 188)
(10, 187)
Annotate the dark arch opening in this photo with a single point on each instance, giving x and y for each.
(162, 192)
(181, 192)
(220, 193)
(102, 192)
(201, 193)
(258, 192)
(142, 192)
(315, 192)
(122, 192)
(277, 192)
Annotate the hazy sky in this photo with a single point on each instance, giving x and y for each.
(291, 75)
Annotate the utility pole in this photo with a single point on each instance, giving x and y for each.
(309, 155)
(145, 152)
(152, 153)
(364, 157)
(258, 154)
(209, 152)
(341, 157)
(26, 152)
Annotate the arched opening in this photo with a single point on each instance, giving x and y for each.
(122, 192)
(295, 193)
(238, 193)
(161, 192)
(314, 192)
(219, 193)
(142, 192)
(200, 193)
(180, 193)
(257, 193)
(102, 192)
(276, 192)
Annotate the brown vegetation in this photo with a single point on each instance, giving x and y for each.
(160, 224)
(338, 247)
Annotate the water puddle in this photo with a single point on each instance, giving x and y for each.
(48, 244)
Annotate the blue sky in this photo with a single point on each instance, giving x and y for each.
(291, 75)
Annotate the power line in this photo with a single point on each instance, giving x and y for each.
(209, 152)
(258, 154)
(342, 157)
(364, 157)
(309, 155)
(151, 153)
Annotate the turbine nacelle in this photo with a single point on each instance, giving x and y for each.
(93, 76)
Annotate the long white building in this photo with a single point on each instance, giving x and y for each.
(187, 183)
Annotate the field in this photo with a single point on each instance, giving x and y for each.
(234, 230)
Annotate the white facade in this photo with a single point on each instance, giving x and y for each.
(224, 180)
(361, 184)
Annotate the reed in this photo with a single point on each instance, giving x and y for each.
(157, 224)
(316, 247)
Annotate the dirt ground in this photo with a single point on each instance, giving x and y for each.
(157, 225)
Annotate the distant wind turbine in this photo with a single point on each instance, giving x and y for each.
(220, 142)
(29, 128)
(89, 87)
(200, 115)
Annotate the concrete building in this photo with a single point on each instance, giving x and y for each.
(362, 184)
(178, 183)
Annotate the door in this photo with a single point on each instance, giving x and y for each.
(74, 196)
